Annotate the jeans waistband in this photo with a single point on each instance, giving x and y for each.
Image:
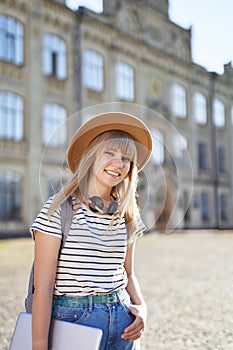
(70, 301)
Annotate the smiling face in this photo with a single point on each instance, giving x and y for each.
(109, 169)
(112, 164)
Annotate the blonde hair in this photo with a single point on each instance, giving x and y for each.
(125, 191)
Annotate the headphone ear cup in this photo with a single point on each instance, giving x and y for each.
(112, 207)
(96, 204)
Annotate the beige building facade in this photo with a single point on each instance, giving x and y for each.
(59, 67)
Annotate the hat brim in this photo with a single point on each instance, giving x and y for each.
(106, 122)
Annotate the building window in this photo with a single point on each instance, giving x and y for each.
(204, 207)
(11, 40)
(93, 76)
(199, 105)
(180, 149)
(54, 125)
(10, 197)
(54, 56)
(54, 186)
(223, 207)
(186, 206)
(11, 116)
(196, 200)
(202, 156)
(218, 113)
(124, 81)
(179, 101)
(158, 150)
(221, 160)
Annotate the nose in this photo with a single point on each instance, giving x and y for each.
(118, 162)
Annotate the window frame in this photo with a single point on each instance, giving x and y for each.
(223, 207)
(54, 131)
(158, 154)
(219, 117)
(202, 156)
(179, 101)
(180, 149)
(10, 197)
(54, 186)
(12, 116)
(221, 159)
(93, 70)
(200, 108)
(11, 40)
(125, 81)
(54, 56)
(204, 206)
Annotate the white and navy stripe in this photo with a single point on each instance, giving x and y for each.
(92, 259)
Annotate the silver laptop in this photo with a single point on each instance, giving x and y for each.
(63, 335)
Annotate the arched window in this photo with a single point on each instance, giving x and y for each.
(54, 125)
(180, 149)
(204, 206)
(223, 207)
(10, 196)
(221, 160)
(202, 156)
(54, 186)
(179, 108)
(11, 116)
(11, 40)
(218, 113)
(158, 150)
(199, 108)
(93, 70)
(54, 56)
(124, 81)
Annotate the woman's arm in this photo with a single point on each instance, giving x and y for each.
(138, 308)
(45, 266)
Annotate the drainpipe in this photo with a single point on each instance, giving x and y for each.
(214, 154)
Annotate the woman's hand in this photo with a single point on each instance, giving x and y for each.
(135, 330)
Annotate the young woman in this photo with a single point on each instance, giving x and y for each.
(91, 281)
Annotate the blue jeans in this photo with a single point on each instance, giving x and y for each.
(112, 318)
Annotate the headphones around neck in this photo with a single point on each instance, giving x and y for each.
(96, 204)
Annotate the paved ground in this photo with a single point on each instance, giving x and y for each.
(187, 280)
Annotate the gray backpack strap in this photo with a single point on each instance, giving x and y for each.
(29, 298)
(66, 218)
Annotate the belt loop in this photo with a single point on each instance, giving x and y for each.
(119, 298)
(90, 303)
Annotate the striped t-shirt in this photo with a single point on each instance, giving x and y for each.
(92, 258)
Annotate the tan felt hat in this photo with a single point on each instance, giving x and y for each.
(106, 122)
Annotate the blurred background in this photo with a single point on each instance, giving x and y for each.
(61, 63)
(168, 63)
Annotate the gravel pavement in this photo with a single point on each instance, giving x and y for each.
(186, 278)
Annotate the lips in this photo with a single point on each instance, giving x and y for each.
(113, 173)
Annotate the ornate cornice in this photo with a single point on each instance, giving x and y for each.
(114, 41)
(21, 6)
(90, 35)
(58, 20)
